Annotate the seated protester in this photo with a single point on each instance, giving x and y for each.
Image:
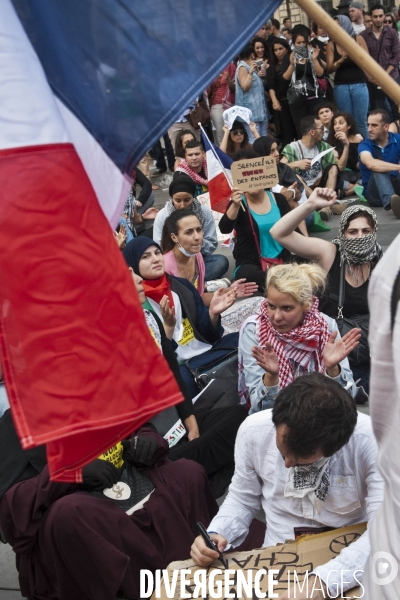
(210, 435)
(71, 541)
(183, 137)
(355, 247)
(380, 163)
(324, 172)
(191, 327)
(310, 463)
(345, 137)
(181, 243)
(136, 211)
(291, 337)
(236, 138)
(182, 191)
(325, 112)
(251, 215)
(289, 185)
(195, 166)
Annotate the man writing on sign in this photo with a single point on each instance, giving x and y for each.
(310, 462)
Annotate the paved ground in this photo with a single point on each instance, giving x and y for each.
(389, 227)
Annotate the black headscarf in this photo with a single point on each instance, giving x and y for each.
(134, 250)
(262, 147)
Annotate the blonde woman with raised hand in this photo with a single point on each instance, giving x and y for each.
(291, 337)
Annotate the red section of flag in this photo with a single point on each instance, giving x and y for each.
(220, 192)
(80, 365)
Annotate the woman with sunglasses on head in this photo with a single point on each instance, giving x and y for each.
(277, 87)
(236, 139)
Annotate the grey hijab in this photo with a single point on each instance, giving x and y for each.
(345, 24)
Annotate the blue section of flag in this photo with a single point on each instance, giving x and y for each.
(129, 68)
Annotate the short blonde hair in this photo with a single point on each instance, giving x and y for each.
(302, 282)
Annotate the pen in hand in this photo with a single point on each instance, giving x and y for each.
(210, 542)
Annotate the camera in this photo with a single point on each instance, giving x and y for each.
(259, 63)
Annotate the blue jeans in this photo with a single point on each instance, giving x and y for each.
(216, 266)
(380, 188)
(262, 128)
(353, 98)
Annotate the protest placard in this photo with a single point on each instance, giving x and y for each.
(251, 174)
(267, 571)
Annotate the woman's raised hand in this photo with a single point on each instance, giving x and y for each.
(150, 213)
(336, 351)
(322, 197)
(266, 358)
(244, 290)
(168, 315)
(222, 300)
(315, 52)
(236, 196)
(340, 135)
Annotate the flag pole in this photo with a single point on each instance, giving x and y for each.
(218, 159)
(350, 46)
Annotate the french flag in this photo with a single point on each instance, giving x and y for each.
(219, 175)
(80, 367)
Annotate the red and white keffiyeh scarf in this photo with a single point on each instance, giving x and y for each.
(183, 166)
(298, 345)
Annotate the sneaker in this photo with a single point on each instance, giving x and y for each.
(216, 284)
(338, 209)
(326, 213)
(395, 205)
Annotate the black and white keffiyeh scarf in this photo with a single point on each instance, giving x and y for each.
(310, 480)
(357, 251)
(302, 53)
(129, 209)
(195, 207)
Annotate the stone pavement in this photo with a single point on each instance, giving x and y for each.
(388, 229)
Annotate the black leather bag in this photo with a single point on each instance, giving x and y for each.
(361, 354)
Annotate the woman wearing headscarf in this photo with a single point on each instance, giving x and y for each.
(290, 337)
(356, 248)
(350, 91)
(191, 327)
(302, 68)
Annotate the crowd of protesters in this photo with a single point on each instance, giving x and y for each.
(294, 320)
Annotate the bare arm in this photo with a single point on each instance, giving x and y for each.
(378, 166)
(245, 77)
(224, 142)
(289, 72)
(319, 69)
(315, 249)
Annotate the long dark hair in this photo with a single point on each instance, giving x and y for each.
(332, 141)
(179, 149)
(283, 43)
(171, 225)
(267, 50)
(230, 147)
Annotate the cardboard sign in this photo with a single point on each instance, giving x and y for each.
(293, 557)
(251, 174)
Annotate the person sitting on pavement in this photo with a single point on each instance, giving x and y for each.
(346, 139)
(323, 172)
(236, 138)
(184, 136)
(182, 191)
(291, 337)
(380, 163)
(181, 242)
(355, 247)
(138, 210)
(191, 327)
(73, 541)
(251, 215)
(310, 462)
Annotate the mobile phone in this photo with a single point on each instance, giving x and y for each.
(208, 541)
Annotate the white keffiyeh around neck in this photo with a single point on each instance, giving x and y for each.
(310, 480)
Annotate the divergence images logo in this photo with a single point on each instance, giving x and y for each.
(384, 568)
